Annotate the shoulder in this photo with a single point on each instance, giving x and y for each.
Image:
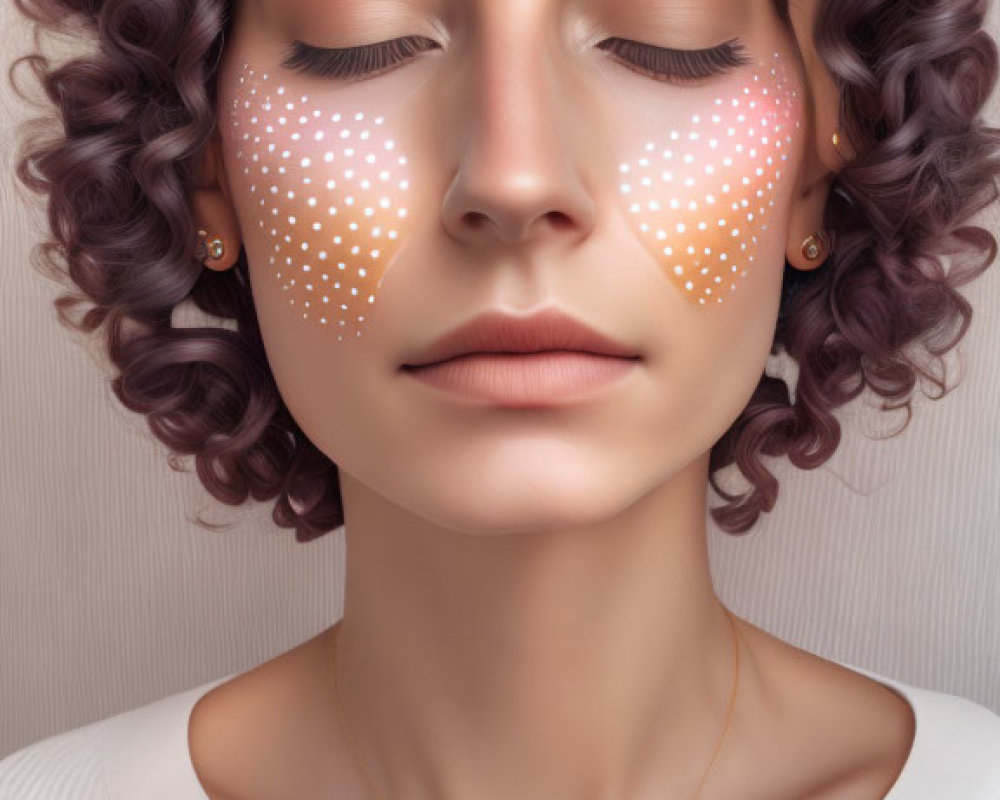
(138, 753)
(865, 735)
(956, 747)
(269, 732)
(825, 731)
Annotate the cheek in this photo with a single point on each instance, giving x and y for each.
(701, 194)
(322, 195)
(323, 191)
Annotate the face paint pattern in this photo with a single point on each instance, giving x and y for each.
(329, 191)
(698, 198)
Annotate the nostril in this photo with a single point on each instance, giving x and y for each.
(476, 219)
(559, 220)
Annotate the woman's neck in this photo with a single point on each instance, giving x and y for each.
(585, 662)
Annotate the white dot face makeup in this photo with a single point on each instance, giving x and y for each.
(330, 191)
(697, 173)
(698, 186)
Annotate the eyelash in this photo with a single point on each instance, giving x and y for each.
(665, 64)
(660, 63)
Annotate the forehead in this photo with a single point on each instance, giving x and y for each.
(671, 11)
(655, 12)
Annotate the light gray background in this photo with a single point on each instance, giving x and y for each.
(887, 557)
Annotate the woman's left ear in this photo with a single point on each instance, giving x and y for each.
(213, 209)
(823, 156)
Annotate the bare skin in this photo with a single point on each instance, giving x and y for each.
(529, 609)
(267, 733)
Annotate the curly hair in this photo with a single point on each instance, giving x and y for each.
(913, 76)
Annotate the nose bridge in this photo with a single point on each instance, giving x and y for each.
(518, 169)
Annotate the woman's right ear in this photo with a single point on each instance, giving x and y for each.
(213, 209)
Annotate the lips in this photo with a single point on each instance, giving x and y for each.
(525, 380)
(500, 332)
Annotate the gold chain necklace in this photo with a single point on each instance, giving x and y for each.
(356, 755)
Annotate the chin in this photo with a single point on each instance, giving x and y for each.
(491, 502)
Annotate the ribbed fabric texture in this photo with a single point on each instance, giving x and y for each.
(63, 767)
(140, 754)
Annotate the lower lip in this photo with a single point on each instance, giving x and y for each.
(524, 379)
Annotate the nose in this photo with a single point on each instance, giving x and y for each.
(518, 177)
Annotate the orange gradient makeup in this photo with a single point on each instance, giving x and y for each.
(330, 190)
(695, 171)
(699, 181)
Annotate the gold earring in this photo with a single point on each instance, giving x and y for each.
(213, 249)
(836, 143)
(815, 245)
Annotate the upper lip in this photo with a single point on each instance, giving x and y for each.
(499, 332)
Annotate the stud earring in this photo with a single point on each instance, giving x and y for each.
(836, 143)
(214, 248)
(815, 245)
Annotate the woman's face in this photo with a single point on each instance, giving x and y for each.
(519, 156)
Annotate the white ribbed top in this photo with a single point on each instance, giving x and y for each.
(143, 754)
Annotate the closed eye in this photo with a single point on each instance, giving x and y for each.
(673, 66)
(660, 63)
(345, 63)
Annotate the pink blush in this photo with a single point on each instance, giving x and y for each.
(699, 191)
